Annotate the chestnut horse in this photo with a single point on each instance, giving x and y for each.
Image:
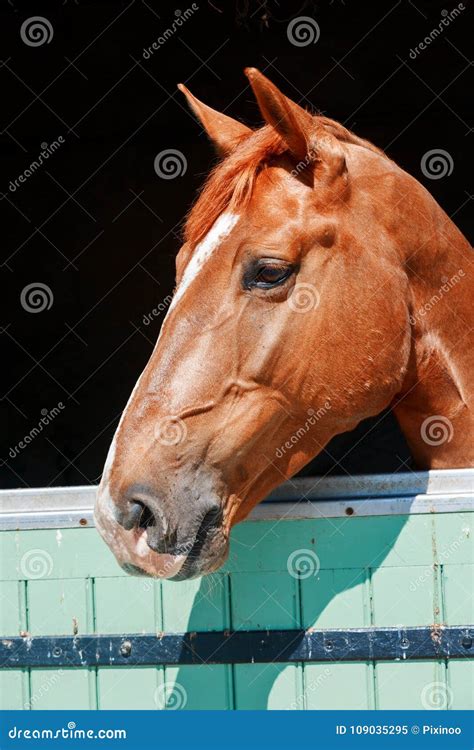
(317, 285)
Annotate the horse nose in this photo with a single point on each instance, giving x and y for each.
(144, 512)
(165, 534)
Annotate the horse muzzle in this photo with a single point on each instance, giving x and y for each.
(148, 538)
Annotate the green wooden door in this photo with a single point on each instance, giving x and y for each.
(316, 573)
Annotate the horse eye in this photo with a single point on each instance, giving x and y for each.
(269, 276)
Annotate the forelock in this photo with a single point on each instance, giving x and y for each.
(230, 184)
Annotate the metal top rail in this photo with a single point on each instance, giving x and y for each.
(301, 498)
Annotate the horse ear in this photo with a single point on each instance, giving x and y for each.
(224, 131)
(295, 125)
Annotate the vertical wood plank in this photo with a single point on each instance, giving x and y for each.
(406, 595)
(412, 685)
(61, 607)
(331, 599)
(458, 585)
(199, 604)
(336, 685)
(461, 684)
(128, 605)
(14, 683)
(259, 601)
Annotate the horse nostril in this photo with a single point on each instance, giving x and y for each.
(164, 532)
(135, 515)
(146, 518)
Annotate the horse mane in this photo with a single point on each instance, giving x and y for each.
(229, 185)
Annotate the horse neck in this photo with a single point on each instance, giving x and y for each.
(436, 406)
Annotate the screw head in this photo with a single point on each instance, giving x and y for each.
(125, 648)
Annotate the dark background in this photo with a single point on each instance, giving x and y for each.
(101, 229)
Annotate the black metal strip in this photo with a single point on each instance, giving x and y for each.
(239, 647)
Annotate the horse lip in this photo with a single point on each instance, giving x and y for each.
(133, 570)
(131, 550)
(196, 567)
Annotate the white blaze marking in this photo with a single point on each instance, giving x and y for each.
(221, 228)
(105, 494)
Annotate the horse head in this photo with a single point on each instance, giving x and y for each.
(292, 321)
